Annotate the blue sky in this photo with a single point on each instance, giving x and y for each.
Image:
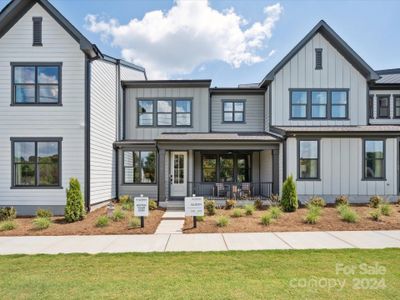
(371, 28)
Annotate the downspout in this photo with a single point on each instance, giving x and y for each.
(87, 132)
(118, 125)
(284, 150)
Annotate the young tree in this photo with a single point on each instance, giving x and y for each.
(289, 200)
(74, 210)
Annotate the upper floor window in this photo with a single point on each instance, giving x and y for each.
(299, 104)
(383, 106)
(371, 106)
(36, 84)
(338, 104)
(308, 159)
(233, 111)
(165, 112)
(318, 58)
(319, 103)
(396, 106)
(374, 159)
(37, 31)
(139, 167)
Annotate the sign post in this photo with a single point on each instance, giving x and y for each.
(141, 208)
(194, 206)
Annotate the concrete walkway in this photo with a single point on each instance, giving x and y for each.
(199, 242)
(171, 222)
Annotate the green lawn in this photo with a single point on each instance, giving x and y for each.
(230, 275)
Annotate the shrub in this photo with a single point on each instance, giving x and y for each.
(200, 218)
(275, 212)
(8, 225)
(134, 223)
(222, 221)
(289, 200)
(258, 204)
(349, 215)
(311, 217)
(152, 204)
(230, 203)
(314, 209)
(7, 213)
(275, 200)
(210, 207)
(102, 221)
(126, 202)
(317, 201)
(41, 223)
(118, 215)
(385, 209)
(341, 207)
(375, 201)
(44, 213)
(266, 219)
(249, 209)
(341, 200)
(237, 213)
(376, 215)
(74, 209)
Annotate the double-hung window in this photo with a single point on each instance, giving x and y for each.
(183, 112)
(38, 84)
(308, 159)
(371, 106)
(299, 104)
(374, 159)
(139, 167)
(396, 106)
(36, 163)
(319, 103)
(338, 104)
(383, 106)
(209, 168)
(164, 112)
(233, 111)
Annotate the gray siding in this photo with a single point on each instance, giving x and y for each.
(199, 98)
(254, 114)
(392, 120)
(131, 74)
(66, 121)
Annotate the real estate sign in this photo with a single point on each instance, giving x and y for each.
(141, 206)
(194, 206)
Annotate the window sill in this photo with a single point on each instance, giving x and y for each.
(308, 179)
(36, 104)
(36, 188)
(138, 184)
(373, 179)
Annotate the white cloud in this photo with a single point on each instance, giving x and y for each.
(188, 35)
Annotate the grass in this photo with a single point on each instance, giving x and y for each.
(102, 221)
(348, 215)
(266, 219)
(212, 275)
(8, 225)
(275, 212)
(237, 213)
(222, 221)
(40, 223)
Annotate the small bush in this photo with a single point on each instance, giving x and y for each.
(275, 200)
(275, 212)
(249, 209)
(317, 201)
(341, 207)
(266, 219)
(375, 201)
(237, 213)
(230, 203)
(210, 207)
(222, 221)
(44, 213)
(8, 225)
(200, 218)
(349, 215)
(376, 215)
(127, 206)
(74, 209)
(258, 204)
(41, 223)
(289, 200)
(7, 213)
(341, 200)
(386, 209)
(118, 215)
(102, 221)
(152, 204)
(124, 199)
(311, 217)
(134, 223)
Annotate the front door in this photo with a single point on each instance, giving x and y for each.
(178, 176)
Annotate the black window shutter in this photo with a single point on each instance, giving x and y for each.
(318, 59)
(37, 31)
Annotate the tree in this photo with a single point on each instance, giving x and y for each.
(74, 210)
(289, 200)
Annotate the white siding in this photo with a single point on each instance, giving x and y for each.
(336, 72)
(131, 74)
(267, 109)
(66, 121)
(254, 114)
(392, 120)
(341, 170)
(103, 130)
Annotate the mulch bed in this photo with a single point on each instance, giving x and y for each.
(87, 226)
(329, 221)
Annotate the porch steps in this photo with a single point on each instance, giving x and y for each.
(172, 221)
(175, 205)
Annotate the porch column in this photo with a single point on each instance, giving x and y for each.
(161, 175)
(275, 171)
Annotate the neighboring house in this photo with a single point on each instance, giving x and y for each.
(67, 110)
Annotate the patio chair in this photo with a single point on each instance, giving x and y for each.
(246, 189)
(220, 190)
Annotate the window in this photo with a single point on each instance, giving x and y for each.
(233, 111)
(36, 163)
(371, 106)
(165, 112)
(338, 104)
(209, 168)
(36, 84)
(37, 31)
(243, 168)
(396, 106)
(139, 167)
(298, 104)
(226, 168)
(319, 102)
(374, 159)
(383, 106)
(318, 59)
(308, 159)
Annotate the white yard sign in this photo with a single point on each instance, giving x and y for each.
(194, 206)
(141, 206)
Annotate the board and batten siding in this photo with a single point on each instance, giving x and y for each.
(66, 121)
(336, 72)
(199, 98)
(382, 121)
(341, 167)
(253, 119)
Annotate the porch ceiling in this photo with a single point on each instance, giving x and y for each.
(220, 136)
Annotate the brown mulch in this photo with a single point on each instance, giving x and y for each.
(87, 226)
(329, 221)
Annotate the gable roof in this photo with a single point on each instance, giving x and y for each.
(327, 32)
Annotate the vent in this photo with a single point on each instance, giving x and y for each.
(318, 59)
(37, 31)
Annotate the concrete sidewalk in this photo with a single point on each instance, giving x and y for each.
(199, 242)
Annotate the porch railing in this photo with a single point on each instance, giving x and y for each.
(232, 190)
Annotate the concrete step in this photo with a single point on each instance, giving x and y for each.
(174, 214)
(170, 227)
